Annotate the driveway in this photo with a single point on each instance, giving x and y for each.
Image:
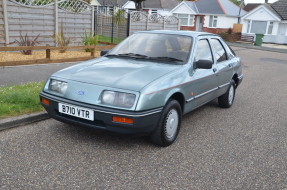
(244, 147)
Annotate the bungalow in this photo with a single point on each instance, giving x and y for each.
(267, 19)
(212, 16)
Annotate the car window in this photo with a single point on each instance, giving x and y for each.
(220, 54)
(203, 51)
(152, 46)
(184, 42)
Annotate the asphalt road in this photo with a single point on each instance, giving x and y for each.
(16, 75)
(243, 147)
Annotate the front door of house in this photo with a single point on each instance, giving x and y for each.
(281, 33)
(199, 23)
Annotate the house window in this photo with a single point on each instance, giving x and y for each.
(258, 27)
(185, 19)
(270, 28)
(212, 21)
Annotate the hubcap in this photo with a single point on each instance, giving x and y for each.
(171, 123)
(231, 94)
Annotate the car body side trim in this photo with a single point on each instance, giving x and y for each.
(240, 77)
(187, 82)
(200, 95)
(224, 85)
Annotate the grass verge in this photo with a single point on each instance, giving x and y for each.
(20, 99)
(109, 39)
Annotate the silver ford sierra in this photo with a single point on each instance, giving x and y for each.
(145, 84)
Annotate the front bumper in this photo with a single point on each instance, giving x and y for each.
(144, 121)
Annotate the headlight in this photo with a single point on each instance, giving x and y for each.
(58, 86)
(118, 99)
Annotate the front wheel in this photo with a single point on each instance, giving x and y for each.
(168, 125)
(226, 100)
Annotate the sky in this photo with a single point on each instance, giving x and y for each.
(258, 1)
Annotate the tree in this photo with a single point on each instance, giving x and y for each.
(236, 2)
(138, 4)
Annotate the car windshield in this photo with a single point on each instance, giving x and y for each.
(164, 47)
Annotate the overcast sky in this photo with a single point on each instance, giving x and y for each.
(258, 1)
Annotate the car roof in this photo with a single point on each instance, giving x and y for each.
(179, 32)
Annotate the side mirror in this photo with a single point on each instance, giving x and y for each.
(104, 52)
(203, 64)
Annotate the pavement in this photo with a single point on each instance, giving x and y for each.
(30, 118)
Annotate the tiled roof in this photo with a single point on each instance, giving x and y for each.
(251, 6)
(280, 7)
(225, 7)
(268, 6)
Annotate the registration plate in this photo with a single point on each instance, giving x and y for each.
(76, 111)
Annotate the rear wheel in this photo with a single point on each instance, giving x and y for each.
(168, 126)
(226, 100)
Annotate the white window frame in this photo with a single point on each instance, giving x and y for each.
(212, 18)
(269, 23)
(268, 26)
(190, 18)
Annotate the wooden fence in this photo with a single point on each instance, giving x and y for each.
(48, 49)
(27, 16)
(237, 38)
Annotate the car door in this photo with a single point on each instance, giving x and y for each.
(223, 65)
(205, 81)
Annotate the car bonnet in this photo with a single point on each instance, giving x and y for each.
(119, 73)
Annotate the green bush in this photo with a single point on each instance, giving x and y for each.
(89, 39)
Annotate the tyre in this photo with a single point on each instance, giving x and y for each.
(226, 100)
(168, 126)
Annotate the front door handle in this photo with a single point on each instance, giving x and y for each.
(214, 70)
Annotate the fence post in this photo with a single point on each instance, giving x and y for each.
(112, 37)
(56, 17)
(147, 22)
(48, 51)
(6, 25)
(129, 25)
(93, 20)
(93, 51)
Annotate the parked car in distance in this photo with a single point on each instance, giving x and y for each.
(145, 84)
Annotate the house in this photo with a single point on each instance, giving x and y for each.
(162, 7)
(212, 16)
(267, 19)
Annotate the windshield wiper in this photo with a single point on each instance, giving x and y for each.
(132, 55)
(111, 55)
(166, 58)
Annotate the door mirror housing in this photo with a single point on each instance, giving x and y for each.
(203, 64)
(104, 52)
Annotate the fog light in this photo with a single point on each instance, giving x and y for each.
(45, 101)
(122, 120)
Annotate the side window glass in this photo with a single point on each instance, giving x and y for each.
(220, 54)
(203, 51)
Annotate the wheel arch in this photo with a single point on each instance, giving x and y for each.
(178, 96)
